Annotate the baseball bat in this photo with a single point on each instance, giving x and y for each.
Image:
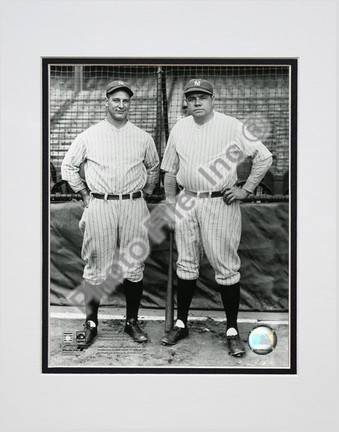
(169, 312)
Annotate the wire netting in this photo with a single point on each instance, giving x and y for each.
(77, 101)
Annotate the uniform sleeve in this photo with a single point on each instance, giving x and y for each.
(152, 163)
(261, 157)
(258, 171)
(170, 186)
(249, 145)
(170, 161)
(70, 166)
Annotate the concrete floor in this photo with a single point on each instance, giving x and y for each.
(204, 348)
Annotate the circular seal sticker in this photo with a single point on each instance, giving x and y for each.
(262, 339)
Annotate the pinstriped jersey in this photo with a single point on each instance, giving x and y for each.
(117, 161)
(205, 157)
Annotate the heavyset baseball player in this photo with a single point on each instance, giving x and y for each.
(202, 154)
(121, 167)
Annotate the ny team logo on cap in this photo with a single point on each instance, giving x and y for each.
(118, 85)
(198, 84)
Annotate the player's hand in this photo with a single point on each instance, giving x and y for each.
(86, 200)
(234, 193)
(145, 195)
(86, 197)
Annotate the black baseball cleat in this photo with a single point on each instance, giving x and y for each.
(133, 329)
(175, 335)
(236, 347)
(90, 333)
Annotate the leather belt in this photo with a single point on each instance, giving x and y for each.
(116, 197)
(215, 194)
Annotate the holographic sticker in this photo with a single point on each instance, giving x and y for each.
(262, 340)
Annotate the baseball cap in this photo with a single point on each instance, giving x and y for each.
(198, 84)
(118, 85)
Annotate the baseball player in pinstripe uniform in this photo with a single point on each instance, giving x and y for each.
(121, 167)
(202, 154)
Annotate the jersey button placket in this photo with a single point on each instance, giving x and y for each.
(198, 133)
(119, 153)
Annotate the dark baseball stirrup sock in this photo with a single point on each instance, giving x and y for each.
(93, 295)
(185, 292)
(230, 296)
(133, 293)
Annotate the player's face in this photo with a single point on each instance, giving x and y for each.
(200, 105)
(118, 104)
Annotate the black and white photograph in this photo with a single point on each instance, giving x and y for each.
(169, 215)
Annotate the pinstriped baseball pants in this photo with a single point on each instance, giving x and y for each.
(114, 231)
(212, 227)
